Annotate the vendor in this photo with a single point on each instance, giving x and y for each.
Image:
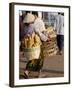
(34, 24)
(27, 31)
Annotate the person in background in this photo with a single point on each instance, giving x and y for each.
(60, 32)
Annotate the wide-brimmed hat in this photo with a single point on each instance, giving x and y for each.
(29, 18)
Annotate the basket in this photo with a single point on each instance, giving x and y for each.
(32, 53)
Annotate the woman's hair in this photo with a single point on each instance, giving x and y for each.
(26, 24)
(27, 12)
(35, 13)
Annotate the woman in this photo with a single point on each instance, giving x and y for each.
(27, 31)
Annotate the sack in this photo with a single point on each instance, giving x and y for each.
(43, 37)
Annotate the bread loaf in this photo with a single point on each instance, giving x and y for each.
(31, 41)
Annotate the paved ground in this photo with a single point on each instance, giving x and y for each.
(53, 67)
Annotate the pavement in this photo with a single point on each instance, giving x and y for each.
(53, 66)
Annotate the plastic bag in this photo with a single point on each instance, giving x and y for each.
(43, 37)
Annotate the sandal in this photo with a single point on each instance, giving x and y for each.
(25, 76)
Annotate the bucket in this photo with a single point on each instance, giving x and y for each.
(32, 53)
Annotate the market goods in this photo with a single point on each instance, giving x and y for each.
(31, 46)
(32, 53)
(31, 41)
(50, 47)
(51, 32)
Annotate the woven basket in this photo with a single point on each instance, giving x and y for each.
(32, 53)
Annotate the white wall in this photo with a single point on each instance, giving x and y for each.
(4, 43)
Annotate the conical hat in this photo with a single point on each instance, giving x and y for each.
(29, 18)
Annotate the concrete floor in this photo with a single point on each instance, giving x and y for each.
(53, 67)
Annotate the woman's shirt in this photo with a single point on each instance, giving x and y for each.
(27, 30)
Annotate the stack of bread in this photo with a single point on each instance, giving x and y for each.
(31, 41)
(31, 46)
(50, 47)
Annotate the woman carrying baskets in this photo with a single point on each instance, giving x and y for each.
(30, 44)
(27, 32)
(33, 36)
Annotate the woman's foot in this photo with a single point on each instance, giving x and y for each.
(26, 75)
